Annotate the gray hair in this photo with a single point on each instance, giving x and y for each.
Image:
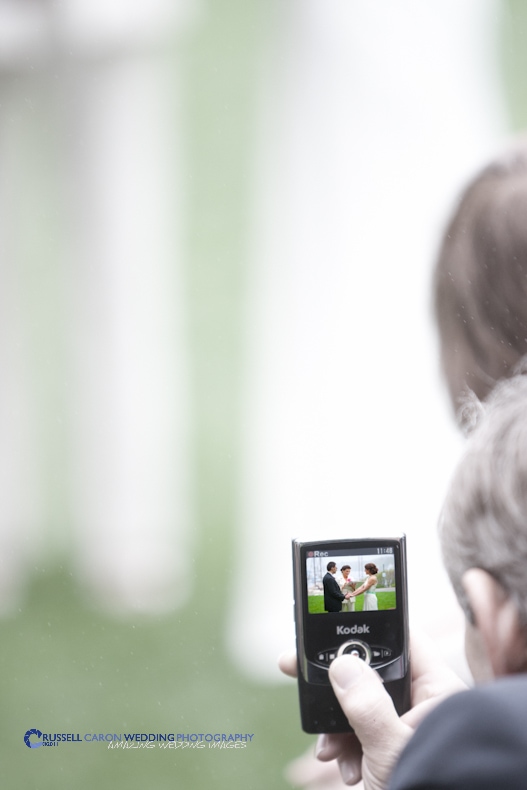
(483, 523)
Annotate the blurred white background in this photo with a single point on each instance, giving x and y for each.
(218, 222)
(369, 118)
(373, 116)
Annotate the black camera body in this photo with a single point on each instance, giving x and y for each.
(372, 625)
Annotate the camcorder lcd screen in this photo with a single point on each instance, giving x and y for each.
(351, 580)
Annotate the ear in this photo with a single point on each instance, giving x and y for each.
(497, 623)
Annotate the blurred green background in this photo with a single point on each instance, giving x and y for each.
(65, 667)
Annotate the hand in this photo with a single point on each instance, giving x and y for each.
(380, 735)
(306, 771)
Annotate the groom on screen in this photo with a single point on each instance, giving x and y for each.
(333, 596)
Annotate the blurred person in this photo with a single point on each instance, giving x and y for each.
(94, 415)
(347, 586)
(480, 280)
(475, 738)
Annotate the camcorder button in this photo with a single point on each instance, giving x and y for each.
(356, 648)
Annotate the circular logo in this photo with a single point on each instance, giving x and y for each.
(27, 739)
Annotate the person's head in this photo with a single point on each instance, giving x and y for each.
(332, 567)
(480, 284)
(371, 569)
(483, 530)
(345, 570)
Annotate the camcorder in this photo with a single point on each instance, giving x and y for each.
(350, 597)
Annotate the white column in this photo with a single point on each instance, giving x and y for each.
(115, 108)
(128, 341)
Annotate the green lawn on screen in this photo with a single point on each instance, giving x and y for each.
(385, 600)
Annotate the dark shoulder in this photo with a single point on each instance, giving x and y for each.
(474, 740)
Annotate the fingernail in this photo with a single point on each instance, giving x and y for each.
(321, 745)
(349, 770)
(346, 671)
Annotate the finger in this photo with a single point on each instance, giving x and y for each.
(350, 764)
(431, 675)
(415, 716)
(426, 657)
(329, 747)
(368, 706)
(348, 751)
(424, 652)
(287, 663)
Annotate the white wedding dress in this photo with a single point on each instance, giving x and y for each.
(370, 599)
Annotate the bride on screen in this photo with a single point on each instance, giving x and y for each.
(368, 587)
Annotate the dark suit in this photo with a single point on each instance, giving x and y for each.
(333, 596)
(475, 740)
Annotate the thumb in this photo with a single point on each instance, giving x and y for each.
(368, 707)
